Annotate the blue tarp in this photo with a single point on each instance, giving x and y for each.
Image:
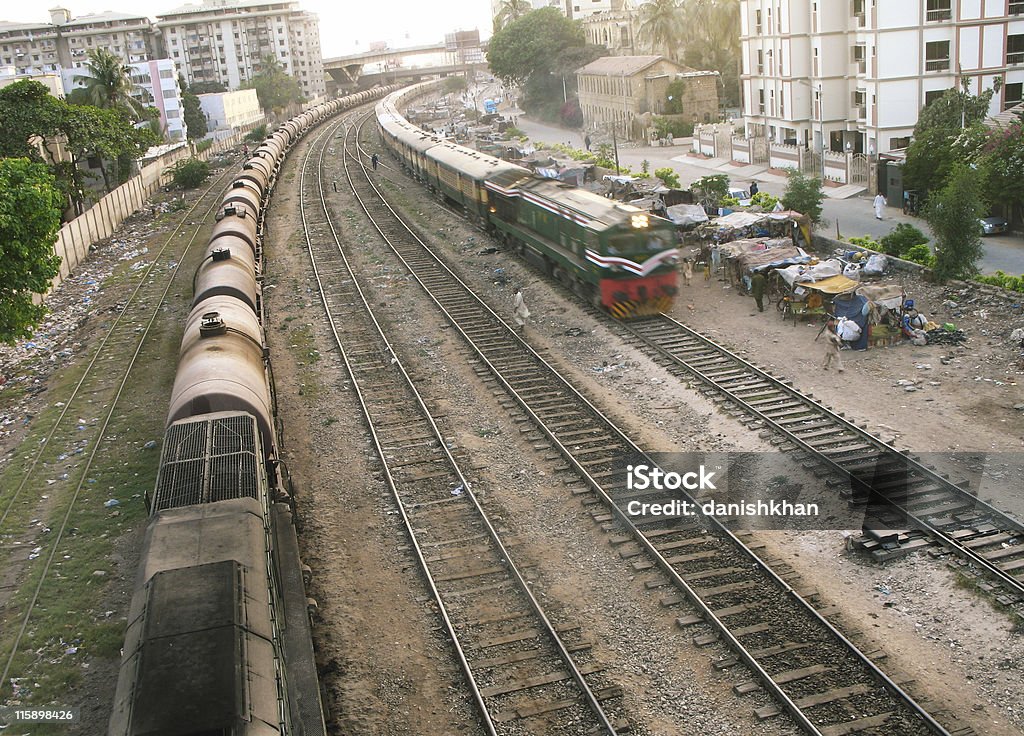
(855, 308)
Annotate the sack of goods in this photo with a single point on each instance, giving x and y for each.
(848, 330)
(852, 271)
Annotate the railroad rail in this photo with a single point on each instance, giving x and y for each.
(99, 386)
(526, 674)
(908, 504)
(813, 672)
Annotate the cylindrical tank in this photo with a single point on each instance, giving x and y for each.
(238, 220)
(243, 192)
(257, 174)
(220, 366)
(229, 269)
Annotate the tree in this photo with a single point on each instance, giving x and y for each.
(953, 213)
(30, 205)
(803, 194)
(1000, 161)
(203, 88)
(528, 47)
(455, 85)
(661, 27)
(941, 137)
(106, 135)
(510, 11)
(275, 88)
(712, 40)
(27, 109)
(195, 120)
(108, 84)
(711, 189)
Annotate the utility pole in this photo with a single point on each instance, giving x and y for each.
(615, 147)
(821, 128)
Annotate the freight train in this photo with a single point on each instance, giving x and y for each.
(616, 255)
(218, 637)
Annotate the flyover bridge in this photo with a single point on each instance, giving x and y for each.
(347, 72)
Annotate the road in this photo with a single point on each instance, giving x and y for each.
(853, 217)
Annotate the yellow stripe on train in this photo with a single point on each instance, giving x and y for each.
(629, 309)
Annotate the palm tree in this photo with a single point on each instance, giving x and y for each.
(510, 11)
(109, 84)
(661, 28)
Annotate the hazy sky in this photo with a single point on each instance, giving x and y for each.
(345, 27)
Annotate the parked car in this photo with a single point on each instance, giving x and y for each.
(741, 194)
(994, 225)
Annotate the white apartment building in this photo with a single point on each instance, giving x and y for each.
(856, 73)
(64, 42)
(572, 9)
(154, 84)
(226, 42)
(227, 110)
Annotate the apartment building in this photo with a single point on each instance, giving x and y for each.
(226, 42)
(854, 74)
(64, 42)
(154, 84)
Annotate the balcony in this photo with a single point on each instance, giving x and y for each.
(1015, 58)
(1016, 7)
(933, 16)
(936, 65)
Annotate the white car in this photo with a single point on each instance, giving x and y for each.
(741, 194)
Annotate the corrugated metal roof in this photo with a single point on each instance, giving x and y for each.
(616, 66)
(1006, 118)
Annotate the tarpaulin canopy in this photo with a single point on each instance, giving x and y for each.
(687, 214)
(832, 285)
(817, 272)
(890, 296)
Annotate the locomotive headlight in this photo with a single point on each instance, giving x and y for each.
(640, 221)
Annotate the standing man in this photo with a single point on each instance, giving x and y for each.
(586, 141)
(374, 160)
(834, 343)
(687, 270)
(753, 189)
(757, 284)
(879, 205)
(519, 311)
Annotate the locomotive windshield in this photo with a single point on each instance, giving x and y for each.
(650, 241)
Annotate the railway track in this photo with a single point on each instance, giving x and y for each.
(98, 388)
(811, 670)
(906, 504)
(526, 673)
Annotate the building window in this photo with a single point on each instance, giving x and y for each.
(860, 58)
(936, 56)
(931, 95)
(939, 10)
(757, 21)
(857, 10)
(896, 144)
(1012, 94)
(760, 61)
(860, 104)
(1016, 7)
(760, 101)
(1015, 49)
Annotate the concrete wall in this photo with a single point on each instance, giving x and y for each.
(103, 218)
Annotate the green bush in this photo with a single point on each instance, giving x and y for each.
(711, 189)
(729, 202)
(765, 201)
(920, 253)
(676, 128)
(865, 242)
(203, 145)
(803, 194)
(190, 173)
(1003, 280)
(902, 238)
(668, 176)
(257, 134)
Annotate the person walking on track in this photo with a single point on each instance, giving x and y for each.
(519, 310)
